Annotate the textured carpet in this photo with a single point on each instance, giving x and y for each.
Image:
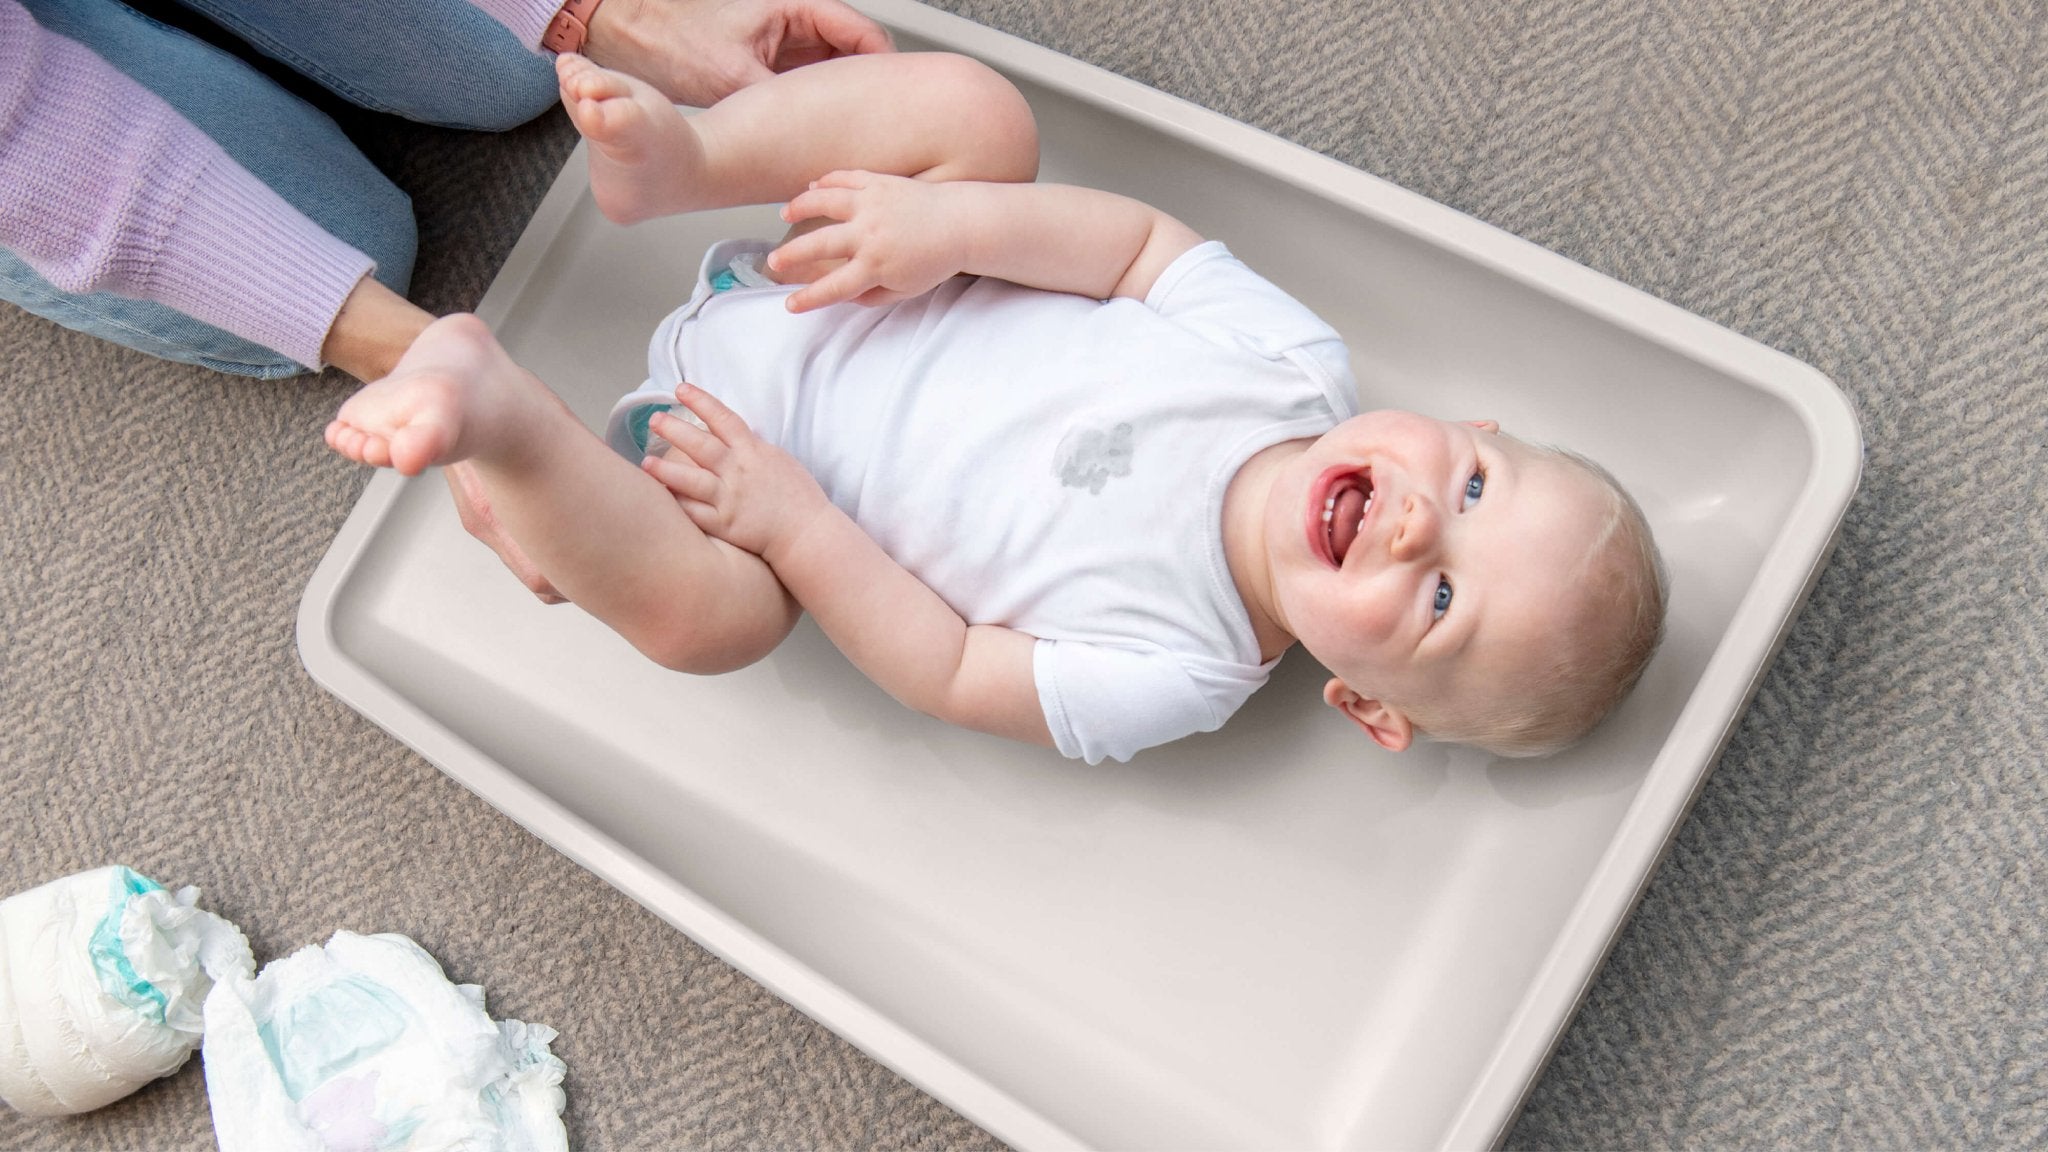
(1844, 948)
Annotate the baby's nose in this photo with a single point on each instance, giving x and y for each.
(1415, 533)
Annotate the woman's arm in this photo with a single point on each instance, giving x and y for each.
(373, 329)
(104, 187)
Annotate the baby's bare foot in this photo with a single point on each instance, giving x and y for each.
(453, 395)
(644, 156)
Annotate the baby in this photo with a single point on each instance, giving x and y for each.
(1072, 476)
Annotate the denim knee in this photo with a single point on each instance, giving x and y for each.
(452, 65)
(283, 141)
(522, 95)
(518, 85)
(300, 153)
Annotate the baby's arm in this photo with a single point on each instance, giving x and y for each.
(899, 237)
(740, 489)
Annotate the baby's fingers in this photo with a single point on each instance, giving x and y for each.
(846, 282)
(831, 243)
(844, 178)
(701, 447)
(694, 489)
(682, 478)
(831, 203)
(724, 423)
(878, 296)
(704, 516)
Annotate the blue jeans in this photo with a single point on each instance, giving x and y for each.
(442, 62)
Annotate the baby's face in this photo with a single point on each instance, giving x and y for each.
(1424, 560)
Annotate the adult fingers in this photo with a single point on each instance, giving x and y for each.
(842, 30)
(473, 508)
(745, 69)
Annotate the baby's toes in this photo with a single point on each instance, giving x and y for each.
(594, 85)
(345, 438)
(350, 441)
(619, 123)
(571, 70)
(605, 123)
(371, 449)
(415, 448)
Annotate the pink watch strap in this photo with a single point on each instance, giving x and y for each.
(570, 27)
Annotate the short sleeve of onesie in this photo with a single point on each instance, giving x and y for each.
(1108, 698)
(1215, 295)
(1114, 701)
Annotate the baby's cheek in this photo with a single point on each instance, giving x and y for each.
(1361, 633)
(1382, 611)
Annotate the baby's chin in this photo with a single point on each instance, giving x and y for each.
(1352, 677)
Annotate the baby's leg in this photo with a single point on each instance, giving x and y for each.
(924, 114)
(607, 535)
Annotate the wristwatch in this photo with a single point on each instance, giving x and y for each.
(570, 27)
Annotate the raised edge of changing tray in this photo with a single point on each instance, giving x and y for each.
(1788, 567)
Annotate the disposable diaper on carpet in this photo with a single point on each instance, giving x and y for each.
(102, 978)
(364, 1044)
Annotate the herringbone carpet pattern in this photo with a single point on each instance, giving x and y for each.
(1845, 946)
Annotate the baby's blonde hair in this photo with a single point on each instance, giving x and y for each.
(1591, 668)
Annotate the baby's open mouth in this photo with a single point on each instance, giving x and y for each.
(1344, 511)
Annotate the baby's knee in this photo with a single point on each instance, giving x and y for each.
(700, 655)
(704, 647)
(1000, 132)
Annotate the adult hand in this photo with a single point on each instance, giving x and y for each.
(700, 51)
(474, 507)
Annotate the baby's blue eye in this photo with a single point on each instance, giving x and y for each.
(1475, 486)
(1443, 599)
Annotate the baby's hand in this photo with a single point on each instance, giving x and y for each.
(891, 233)
(731, 483)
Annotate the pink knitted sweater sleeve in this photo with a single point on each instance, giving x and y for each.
(104, 187)
(526, 18)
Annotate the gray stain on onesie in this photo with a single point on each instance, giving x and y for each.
(1090, 457)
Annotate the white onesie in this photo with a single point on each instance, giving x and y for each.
(1044, 461)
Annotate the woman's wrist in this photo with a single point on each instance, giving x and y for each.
(614, 38)
(373, 329)
(569, 27)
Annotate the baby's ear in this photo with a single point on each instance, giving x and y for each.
(1385, 724)
(1485, 425)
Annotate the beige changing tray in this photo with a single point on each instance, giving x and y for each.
(1274, 936)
